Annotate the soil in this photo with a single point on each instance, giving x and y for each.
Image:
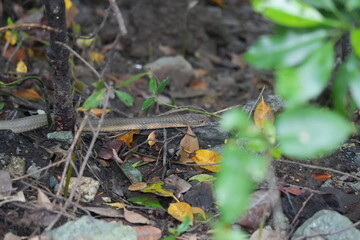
(212, 39)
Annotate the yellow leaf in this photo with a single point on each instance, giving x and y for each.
(99, 111)
(29, 94)
(197, 210)
(12, 36)
(21, 67)
(180, 210)
(84, 42)
(128, 137)
(96, 57)
(68, 4)
(157, 189)
(116, 205)
(152, 136)
(189, 144)
(204, 156)
(263, 112)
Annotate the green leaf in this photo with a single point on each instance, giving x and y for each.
(9, 21)
(94, 99)
(133, 174)
(290, 13)
(184, 225)
(297, 85)
(148, 103)
(162, 86)
(202, 178)
(233, 170)
(285, 49)
(238, 121)
(153, 85)
(352, 4)
(126, 98)
(99, 84)
(355, 40)
(132, 79)
(322, 4)
(310, 132)
(2, 105)
(347, 76)
(145, 202)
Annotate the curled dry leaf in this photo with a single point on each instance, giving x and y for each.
(151, 137)
(137, 186)
(263, 112)
(128, 137)
(204, 156)
(147, 232)
(135, 217)
(28, 94)
(189, 144)
(322, 177)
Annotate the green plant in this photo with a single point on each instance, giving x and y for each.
(181, 228)
(97, 96)
(301, 51)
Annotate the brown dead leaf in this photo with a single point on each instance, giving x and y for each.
(151, 136)
(147, 232)
(99, 111)
(106, 152)
(198, 84)
(96, 57)
(292, 189)
(261, 207)
(43, 201)
(263, 112)
(204, 156)
(28, 94)
(19, 55)
(322, 177)
(134, 217)
(189, 144)
(180, 210)
(128, 137)
(137, 186)
(266, 234)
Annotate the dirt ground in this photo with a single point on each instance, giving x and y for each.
(212, 39)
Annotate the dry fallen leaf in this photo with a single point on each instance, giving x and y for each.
(321, 176)
(116, 205)
(151, 136)
(21, 67)
(128, 137)
(263, 112)
(99, 111)
(11, 37)
(28, 94)
(134, 217)
(96, 57)
(204, 156)
(43, 201)
(189, 144)
(180, 210)
(147, 232)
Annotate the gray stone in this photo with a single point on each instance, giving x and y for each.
(326, 221)
(90, 228)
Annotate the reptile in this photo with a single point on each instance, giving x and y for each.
(25, 124)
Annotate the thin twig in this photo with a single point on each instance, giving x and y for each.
(318, 167)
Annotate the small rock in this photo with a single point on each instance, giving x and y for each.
(326, 221)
